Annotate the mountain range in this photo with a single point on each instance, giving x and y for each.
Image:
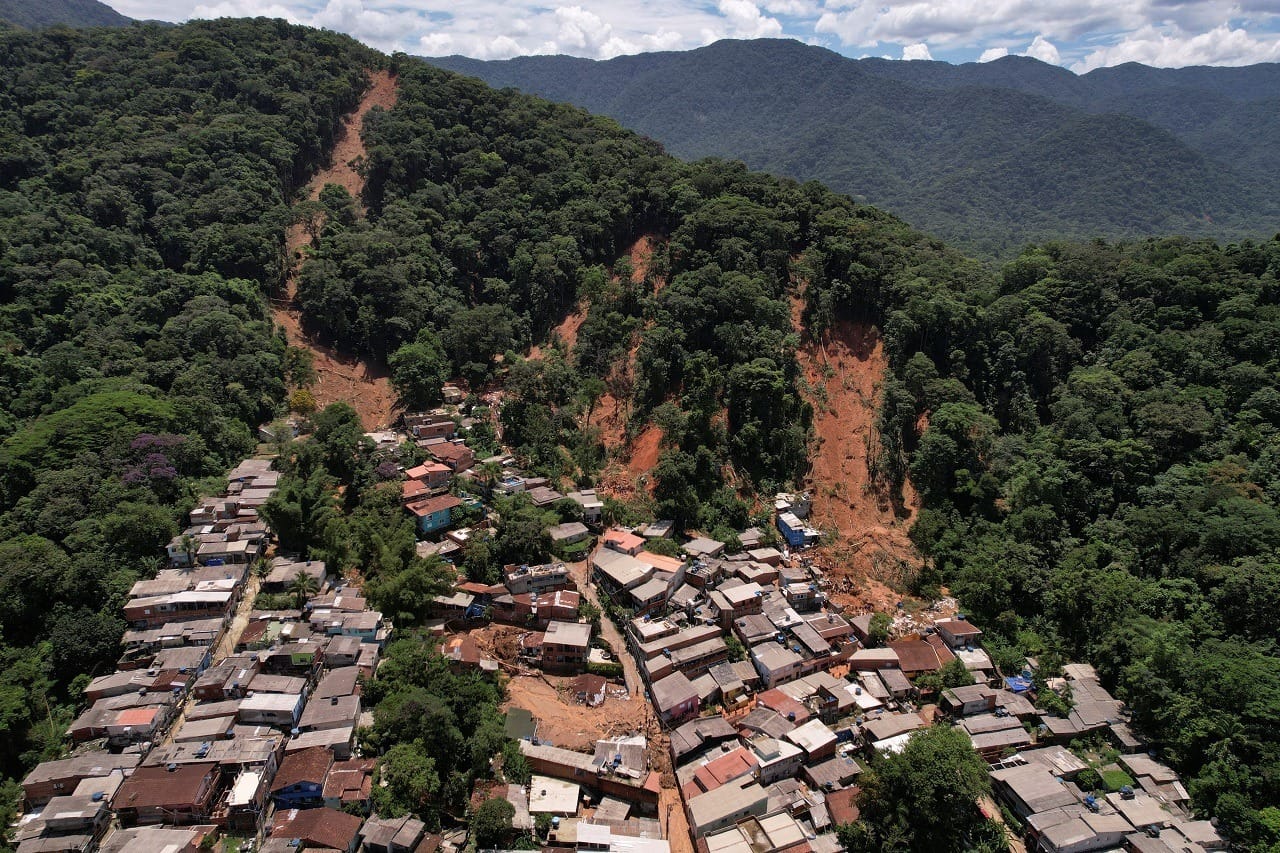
(72, 13)
(988, 155)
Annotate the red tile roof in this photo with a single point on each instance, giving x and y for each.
(430, 506)
(317, 827)
(305, 765)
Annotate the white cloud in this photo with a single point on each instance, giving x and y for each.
(748, 21)
(580, 29)
(919, 50)
(993, 53)
(1219, 46)
(1042, 49)
(1083, 33)
(435, 44)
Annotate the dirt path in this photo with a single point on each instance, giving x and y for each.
(226, 647)
(363, 384)
(844, 371)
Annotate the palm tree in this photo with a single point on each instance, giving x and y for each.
(303, 586)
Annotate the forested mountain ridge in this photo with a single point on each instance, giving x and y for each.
(1093, 430)
(71, 13)
(990, 155)
(144, 175)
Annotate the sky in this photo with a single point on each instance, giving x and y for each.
(1077, 34)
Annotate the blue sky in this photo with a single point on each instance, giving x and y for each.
(1077, 34)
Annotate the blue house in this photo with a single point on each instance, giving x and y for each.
(434, 513)
(299, 783)
(796, 532)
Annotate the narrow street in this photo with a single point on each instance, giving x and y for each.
(226, 646)
(581, 573)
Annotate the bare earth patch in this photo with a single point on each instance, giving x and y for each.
(844, 370)
(363, 384)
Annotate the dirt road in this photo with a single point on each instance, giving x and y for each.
(581, 574)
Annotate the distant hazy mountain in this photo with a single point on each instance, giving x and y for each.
(33, 14)
(991, 155)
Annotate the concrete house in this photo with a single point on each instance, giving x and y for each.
(565, 646)
(299, 783)
(434, 513)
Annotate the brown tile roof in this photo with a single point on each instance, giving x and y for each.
(148, 787)
(432, 505)
(317, 827)
(915, 655)
(350, 781)
(305, 765)
(843, 805)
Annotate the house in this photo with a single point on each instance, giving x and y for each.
(172, 793)
(674, 697)
(565, 645)
(776, 663)
(50, 779)
(553, 796)
(144, 839)
(392, 834)
(726, 806)
(695, 736)
(969, 699)
(777, 759)
(592, 506)
(327, 829)
(701, 546)
(284, 572)
(589, 689)
(916, 657)
(350, 784)
(817, 741)
(434, 513)
(1031, 788)
(623, 541)
(299, 783)
(431, 476)
(271, 709)
(664, 529)
(457, 456)
(569, 533)
(544, 496)
(154, 611)
(796, 532)
(434, 424)
(617, 572)
(337, 712)
(958, 633)
(520, 578)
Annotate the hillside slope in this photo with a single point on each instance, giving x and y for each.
(990, 155)
(33, 14)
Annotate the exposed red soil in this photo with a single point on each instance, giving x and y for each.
(339, 377)
(644, 451)
(566, 331)
(641, 253)
(844, 369)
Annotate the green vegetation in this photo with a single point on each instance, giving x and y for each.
(926, 792)
(436, 731)
(144, 180)
(1099, 481)
(987, 155)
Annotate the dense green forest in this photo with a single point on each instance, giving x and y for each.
(988, 156)
(144, 180)
(1101, 481)
(1098, 471)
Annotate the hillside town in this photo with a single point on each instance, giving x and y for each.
(669, 692)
